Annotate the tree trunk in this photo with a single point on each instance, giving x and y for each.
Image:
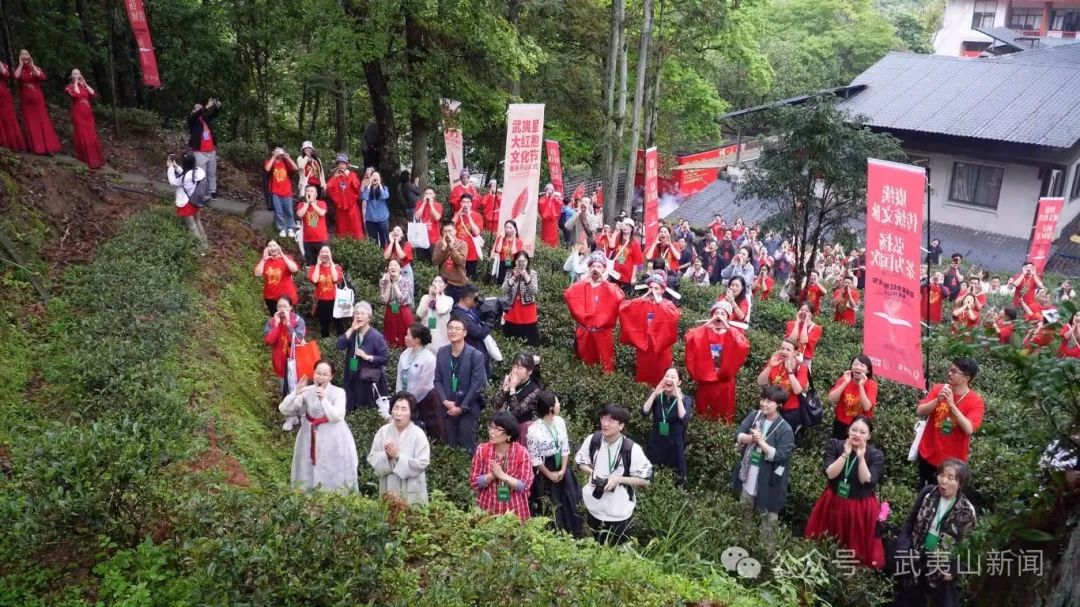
(613, 143)
(419, 126)
(653, 94)
(420, 129)
(639, 94)
(88, 38)
(341, 125)
(389, 158)
(304, 96)
(315, 111)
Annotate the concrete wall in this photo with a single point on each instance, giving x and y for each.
(956, 26)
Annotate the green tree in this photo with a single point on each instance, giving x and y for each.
(913, 33)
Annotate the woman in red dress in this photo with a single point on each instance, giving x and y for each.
(40, 136)
(1070, 338)
(276, 269)
(396, 291)
(626, 253)
(84, 133)
(848, 509)
(11, 136)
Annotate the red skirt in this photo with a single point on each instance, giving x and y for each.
(11, 136)
(853, 522)
(84, 135)
(395, 325)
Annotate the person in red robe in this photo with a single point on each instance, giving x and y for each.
(429, 212)
(813, 292)
(550, 209)
(1025, 284)
(664, 248)
(650, 324)
(933, 294)
(461, 188)
(492, 203)
(1070, 338)
(594, 306)
(84, 132)
(40, 136)
(343, 189)
(626, 253)
(11, 136)
(846, 301)
(715, 352)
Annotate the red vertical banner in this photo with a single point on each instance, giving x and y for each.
(892, 335)
(521, 169)
(140, 30)
(455, 156)
(554, 159)
(1046, 220)
(652, 198)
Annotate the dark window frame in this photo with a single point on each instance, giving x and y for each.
(1023, 18)
(984, 174)
(984, 17)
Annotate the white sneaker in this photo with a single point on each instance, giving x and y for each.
(281, 233)
(292, 233)
(290, 423)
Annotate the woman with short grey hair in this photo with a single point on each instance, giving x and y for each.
(365, 360)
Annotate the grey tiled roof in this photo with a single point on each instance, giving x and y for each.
(1028, 97)
(1025, 43)
(719, 197)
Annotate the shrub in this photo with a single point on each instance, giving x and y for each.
(131, 119)
(243, 153)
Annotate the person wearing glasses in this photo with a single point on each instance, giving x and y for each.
(954, 413)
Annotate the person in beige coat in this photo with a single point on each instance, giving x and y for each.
(400, 453)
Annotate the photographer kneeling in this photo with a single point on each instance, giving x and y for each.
(615, 465)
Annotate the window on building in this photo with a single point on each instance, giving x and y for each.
(1025, 18)
(1074, 191)
(976, 184)
(1066, 20)
(984, 14)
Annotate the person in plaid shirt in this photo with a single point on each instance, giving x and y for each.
(502, 472)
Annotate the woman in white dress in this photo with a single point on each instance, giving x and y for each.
(400, 453)
(433, 312)
(325, 453)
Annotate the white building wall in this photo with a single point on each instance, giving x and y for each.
(956, 26)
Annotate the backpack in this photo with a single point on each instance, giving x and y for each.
(200, 196)
(624, 455)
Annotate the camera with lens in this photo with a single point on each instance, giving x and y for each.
(598, 487)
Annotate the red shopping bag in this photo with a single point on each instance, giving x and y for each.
(306, 356)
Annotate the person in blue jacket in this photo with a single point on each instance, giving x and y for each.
(377, 210)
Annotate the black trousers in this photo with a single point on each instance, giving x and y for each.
(530, 333)
(311, 252)
(610, 533)
(324, 310)
(470, 269)
(927, 473)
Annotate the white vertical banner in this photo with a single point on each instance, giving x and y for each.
(521, 169)
(455, 156)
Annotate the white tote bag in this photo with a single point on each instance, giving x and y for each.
(418, 235)
(479, 242)
(493, 349)
(343, 300)
(913, 452)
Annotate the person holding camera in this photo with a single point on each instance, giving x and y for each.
(278, 167)
(670, 411)
(400, 452)
(201, 139)
(460, 380)
(324, 456)
(476, 330)
(520, 288)
(365, 357)
(766, 441)
(183, 178)
(312, 213)
(502, 473)
(448, 256)
(84, 133)
(377, 210)
(615, 466)
(276, 269)
(343, 189)
(1024, 285)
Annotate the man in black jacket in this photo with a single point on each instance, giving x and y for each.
(460, 380)
(201, 139)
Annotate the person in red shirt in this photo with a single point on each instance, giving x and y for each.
(506, 246)
(715, 352)
(737, 232)
(853, 395)
(974, 287)
(1070, 338)
(605, 240)
(462, 187)
(520, 287)
(1033, 310)
(1004, 325)
(492, 203)
(502, 471)
(664, 248)
(718, 226)
(312, 214)
(953, 412)
(325, 275)
(933, 296)
(784, 370)
(763, 282)
(805, 333)
(284, 330)
(429, 212)
(278, 168)
(650, 324)
(1040, 336)
(467, 224)
(11, 136)
(845, 302)
(84, 132)
(1025, 284)
(594, 306)
(343, 189)
(549, 208)
(966, 315)
(626, 253)
(735, 294)
(813, 292)
(400, 250)
(276, 269)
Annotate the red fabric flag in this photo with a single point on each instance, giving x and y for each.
(554, 158)
(140, 30)
(1046, 220)
(652, 199)
(579, 192)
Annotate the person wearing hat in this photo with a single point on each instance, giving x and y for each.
(594, 306)
(343, 189)
(462, 187)
(549, 208)
(311, 169)
(650, 324)
(714, 353)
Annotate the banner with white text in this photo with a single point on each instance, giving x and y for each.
(652, 198)
(1046, 220)
(521, 169)
(140, 31)
(554, 158)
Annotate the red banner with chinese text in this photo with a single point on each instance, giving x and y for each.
(892, 335)
(1046, 220)
(554, 159)
(455, 156)
(140, 30)
(652, 198)
(521, 169)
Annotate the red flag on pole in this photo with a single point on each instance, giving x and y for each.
(652, 198)
(600, 195)
(579, 192)
(554, 158)
(892, 335)
(140, 30)
(1046, 220)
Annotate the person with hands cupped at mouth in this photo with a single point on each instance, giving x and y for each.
(324, 456)
(365, 360)
(854, 395)
(343, 189)
(670, 411)
(715, 351)
(84, 132)
(650, 324)
(283, 331)
(396, 291)
(594, 306)
(786, 372)
(276, 269)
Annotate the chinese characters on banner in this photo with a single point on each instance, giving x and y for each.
(892, 335)
(140, 30)
(1046, 220)
(455, 158)
(554, 164)
(652, 199)
(521, 169)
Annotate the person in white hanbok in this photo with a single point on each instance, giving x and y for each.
(400, 453)
(325, 453)
(433, 312)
